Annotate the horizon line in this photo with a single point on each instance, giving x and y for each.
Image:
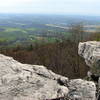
(22, 13)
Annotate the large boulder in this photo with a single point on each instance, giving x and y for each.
(33, 82)
(90, 51)
(29, 82)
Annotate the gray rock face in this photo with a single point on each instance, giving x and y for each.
(28, 82)
(82, 90)
(90, 51)
(33, 82)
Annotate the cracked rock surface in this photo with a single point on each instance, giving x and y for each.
(90, 51)
(33, 82)
(82, 90)
(28, 82)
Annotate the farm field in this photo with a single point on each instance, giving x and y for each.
(27, 29)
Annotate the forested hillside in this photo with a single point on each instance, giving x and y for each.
(40, 41)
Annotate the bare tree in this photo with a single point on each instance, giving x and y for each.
(77, 32)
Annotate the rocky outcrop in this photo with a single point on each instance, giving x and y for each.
(28, 82)
(33, 82)
(90, 51)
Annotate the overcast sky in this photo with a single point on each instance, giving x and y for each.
(87, 7)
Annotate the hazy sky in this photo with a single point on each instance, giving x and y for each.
(88, 7)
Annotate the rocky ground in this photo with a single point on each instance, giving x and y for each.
(33, 82)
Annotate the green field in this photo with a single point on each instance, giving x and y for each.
(26, 29)
(12, 36)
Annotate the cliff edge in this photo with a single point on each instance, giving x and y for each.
(33, 82)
